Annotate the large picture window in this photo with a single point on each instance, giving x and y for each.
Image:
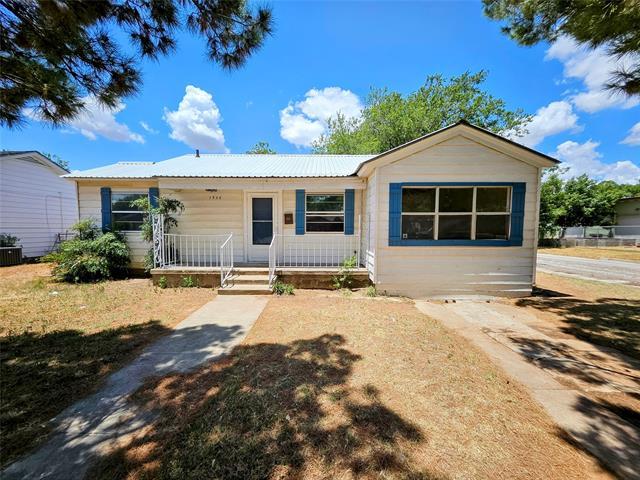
(456, 213)
(125, 217)
(324, 212)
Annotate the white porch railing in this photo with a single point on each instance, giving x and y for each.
(226, 260)
(321, 250)
(273, 256)
(183, 250)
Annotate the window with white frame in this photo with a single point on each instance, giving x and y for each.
(324, 212)
(456, 213)
(124, 216)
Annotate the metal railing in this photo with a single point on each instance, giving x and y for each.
(273, 256)
(182, 250)
(321, 250)
(226, 260)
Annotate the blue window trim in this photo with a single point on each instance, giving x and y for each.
(518, 190)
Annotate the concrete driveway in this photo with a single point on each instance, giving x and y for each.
(92, 426)
(560, 372)
(611, 271)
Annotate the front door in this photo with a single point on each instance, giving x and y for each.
(261, 226)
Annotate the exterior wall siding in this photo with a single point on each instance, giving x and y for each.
(35, 204)
(432, 271)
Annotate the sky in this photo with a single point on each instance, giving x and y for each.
(324, 58)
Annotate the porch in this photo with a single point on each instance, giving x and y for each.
(306, 261)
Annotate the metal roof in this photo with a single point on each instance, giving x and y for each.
(234, 165)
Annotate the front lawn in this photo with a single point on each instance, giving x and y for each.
(59, 341)
(332, 387)
(602, 313)
(630, 254)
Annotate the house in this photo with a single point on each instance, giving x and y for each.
(36, 203)
(628, 217)
(452, 213)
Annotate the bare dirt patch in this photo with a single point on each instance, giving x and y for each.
(631, 254)
(331, 387)
(59, 341)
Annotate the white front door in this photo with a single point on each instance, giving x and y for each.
(261, 225)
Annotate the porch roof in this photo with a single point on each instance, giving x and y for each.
(234, 166)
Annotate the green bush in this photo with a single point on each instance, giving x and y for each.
(91, 256)
(344, 279)
(7, 240)
(371, 291)
(280, 288)
(188, 282)
(162, 282)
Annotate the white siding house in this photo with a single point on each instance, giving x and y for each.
(36, 203)
(453, 213)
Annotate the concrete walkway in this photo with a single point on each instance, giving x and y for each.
(558, 371)
(92, 425)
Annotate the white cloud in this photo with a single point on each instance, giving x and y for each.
(303, 122)
(96, 120)
(584, 158)
(594, 67)
(196, 122)
(147, 128)
(634, 136)
(555, 118)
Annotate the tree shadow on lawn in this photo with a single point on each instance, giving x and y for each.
(269, 411)
(42, 374)
(610, 322)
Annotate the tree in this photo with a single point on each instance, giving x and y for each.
(390, 119)
(57, 160)
(56, 53)
(611, 23)
(261, 148)
(578, 201)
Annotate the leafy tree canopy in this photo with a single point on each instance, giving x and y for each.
(57, 159)
(390, 119)
(262, 148)
(579, 201)
(53, 53)
(613, 23)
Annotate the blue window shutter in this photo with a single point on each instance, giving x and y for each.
(395, 213)
(300, 207)
(517, 213)
(105, 198)
(154, 197)
(349, 210)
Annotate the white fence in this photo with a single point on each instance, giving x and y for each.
(602, 231)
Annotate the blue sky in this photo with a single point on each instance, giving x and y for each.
(325, 57)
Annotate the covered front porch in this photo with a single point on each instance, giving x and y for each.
(211, 260)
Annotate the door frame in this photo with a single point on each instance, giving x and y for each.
(276, 195)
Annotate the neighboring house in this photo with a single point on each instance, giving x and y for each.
(452, 213)
(36, 203)
(628, 217)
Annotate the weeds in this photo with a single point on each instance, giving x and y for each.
(280, 288)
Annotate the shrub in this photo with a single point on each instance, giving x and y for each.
(280, 288)
(344, 279)
(162, 282)
(7, 240)
(91, 256)
(188, 282)
(371, 291)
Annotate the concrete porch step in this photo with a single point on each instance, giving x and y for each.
(245, 290)
(249, 279)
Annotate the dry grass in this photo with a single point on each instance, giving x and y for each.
(58, 342)
(330, 387)
(602, 313)
(631, 254)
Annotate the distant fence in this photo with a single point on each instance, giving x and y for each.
(600, 236)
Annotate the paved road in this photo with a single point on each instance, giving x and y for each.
(611, 271)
